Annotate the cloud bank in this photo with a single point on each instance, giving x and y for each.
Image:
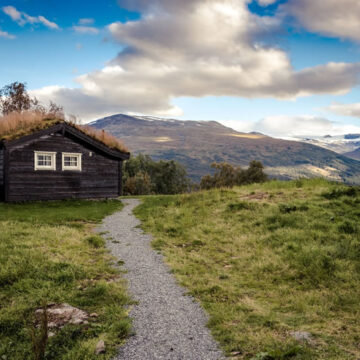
(345, 109)
(337, 18)
(195, 48)
(292, 127)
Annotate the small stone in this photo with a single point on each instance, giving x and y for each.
(301, 336)
(100, 347)
(94, 315)
(76, 321)
(51, 334)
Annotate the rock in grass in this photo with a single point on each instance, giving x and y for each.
(301, 336)
(61, 314)
(100, 347)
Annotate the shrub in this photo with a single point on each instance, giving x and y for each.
(339, 192)
(227, 175)
(143, 176)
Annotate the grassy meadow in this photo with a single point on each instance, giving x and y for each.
(267, 260)
(50, 254)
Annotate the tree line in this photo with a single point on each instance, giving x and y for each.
(144, 176)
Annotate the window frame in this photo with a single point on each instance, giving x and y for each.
(71, 168)
(38, 167)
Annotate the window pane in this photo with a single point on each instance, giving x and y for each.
(71, 161)
(44, 160)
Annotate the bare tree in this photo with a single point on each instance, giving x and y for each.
(14, 97)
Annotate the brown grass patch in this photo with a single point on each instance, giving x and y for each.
(16, 125)
(247, 136)
(102, 136)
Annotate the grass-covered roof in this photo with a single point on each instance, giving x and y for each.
(16, 125)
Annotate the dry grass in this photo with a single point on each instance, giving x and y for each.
(102, 136)
(16, 125)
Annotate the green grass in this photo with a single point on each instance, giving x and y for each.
(266, 260)
(49, 253)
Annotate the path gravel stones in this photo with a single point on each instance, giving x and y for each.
(167, 323)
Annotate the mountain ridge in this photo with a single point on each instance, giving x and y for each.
(196, 144)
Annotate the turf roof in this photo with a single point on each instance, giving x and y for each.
(15, 126)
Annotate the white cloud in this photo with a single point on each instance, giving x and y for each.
(298, 126)
(345, 109)
(196, 48)
(266, 2)
(85, 29)
(339, 18)
(13, 13)
(46, 22)
(6, 35)
(86, 21)
(22, 18)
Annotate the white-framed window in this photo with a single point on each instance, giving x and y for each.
(44, 160)
(71, 161)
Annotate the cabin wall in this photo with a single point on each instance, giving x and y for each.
(98, 178)
(1, 174)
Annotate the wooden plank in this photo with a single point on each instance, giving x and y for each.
(6, 175)
(120, 178)
(1, 167)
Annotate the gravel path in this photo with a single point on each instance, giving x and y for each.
(167, 323)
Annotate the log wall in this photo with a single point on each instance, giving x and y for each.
(99, 177)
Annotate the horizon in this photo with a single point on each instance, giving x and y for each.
(283, 68)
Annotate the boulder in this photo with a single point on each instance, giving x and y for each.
(100, 347)
(61, 314)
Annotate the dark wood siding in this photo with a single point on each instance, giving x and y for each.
(1, 174)
(98, 178)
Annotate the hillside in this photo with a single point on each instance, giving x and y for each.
(354, 154)
(197, 144)
(275, 265)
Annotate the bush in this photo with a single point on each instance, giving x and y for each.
(143, 176)
(227, 175)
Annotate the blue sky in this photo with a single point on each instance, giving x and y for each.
(238, 62)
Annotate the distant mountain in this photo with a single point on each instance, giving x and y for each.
(342, 144)
(354, 154)
(197, 144)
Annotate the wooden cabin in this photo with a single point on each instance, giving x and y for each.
(59, 162)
